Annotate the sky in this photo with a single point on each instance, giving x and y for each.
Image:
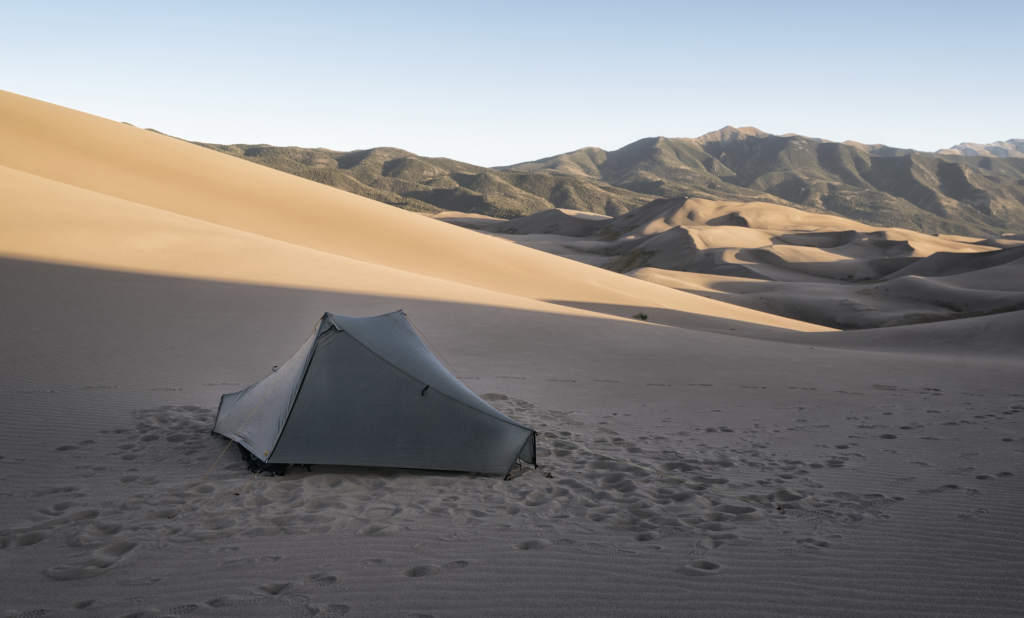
(501, 83)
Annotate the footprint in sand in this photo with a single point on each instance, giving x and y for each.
(320, 580)
(100, 562)
(811, 544)
(300, 603)
(36, 613)
(715, 541)
(94, 534)
(701, 567)
(939, 489)
(22, 540)
(378, 530)
(233, 600)
(740, 513)
(247, 561)
(432, 569)
(799, 550)
(603, 549)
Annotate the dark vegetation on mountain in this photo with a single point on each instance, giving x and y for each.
(433, 185)
(877, 185)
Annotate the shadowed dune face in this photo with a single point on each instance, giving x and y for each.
(707, 457)
(815, 268)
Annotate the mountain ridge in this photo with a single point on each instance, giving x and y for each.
(1011, 148)
(873, 184)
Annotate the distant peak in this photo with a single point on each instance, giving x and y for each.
(730, 133)
(1013, 148)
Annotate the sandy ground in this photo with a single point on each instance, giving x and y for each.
(895, 454)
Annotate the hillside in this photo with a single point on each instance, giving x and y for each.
(433, 185)
(874, 184)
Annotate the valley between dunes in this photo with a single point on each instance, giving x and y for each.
(717, 459)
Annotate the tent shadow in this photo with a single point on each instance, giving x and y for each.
(336, 474)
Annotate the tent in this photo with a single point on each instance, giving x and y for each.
(368, 392)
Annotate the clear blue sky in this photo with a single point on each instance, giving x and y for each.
(500, 83)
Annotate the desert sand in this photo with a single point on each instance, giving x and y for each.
(815, 268)
(715, 460)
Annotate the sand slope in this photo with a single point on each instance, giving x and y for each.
(162, 173)
(891, 467)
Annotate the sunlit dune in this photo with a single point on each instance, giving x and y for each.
(169, 175)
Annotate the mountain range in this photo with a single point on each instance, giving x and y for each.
(962, 190)
(1013, 148)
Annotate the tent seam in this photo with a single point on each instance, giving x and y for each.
(502, 418)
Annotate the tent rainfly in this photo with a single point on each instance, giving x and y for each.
(368, 392)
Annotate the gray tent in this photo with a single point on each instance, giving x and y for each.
(368, 392)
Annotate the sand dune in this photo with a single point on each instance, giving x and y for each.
(162, 173)
(720, 462)
(559, 221)
(783, 261)
(907, 300)
(1007, 277)
(947, 264)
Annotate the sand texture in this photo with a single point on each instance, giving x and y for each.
(714, 460)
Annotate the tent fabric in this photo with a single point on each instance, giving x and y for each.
(368, 392)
